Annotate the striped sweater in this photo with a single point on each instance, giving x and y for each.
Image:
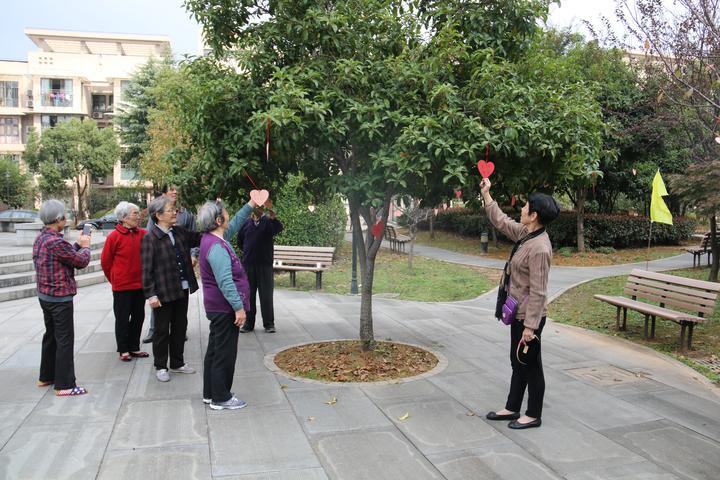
(529, 268)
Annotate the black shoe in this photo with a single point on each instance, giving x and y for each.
(515, 425)
(243, 329)
(148, 339)
(270, 330)
(509, 416)
(186, 339)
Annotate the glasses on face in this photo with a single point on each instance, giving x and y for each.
(172, 211)
(134, 213)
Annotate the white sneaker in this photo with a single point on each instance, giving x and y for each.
(163, 375)
(208, 401)
(232, 404)
(184, 369)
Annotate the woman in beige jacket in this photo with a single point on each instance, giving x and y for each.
(528, 269)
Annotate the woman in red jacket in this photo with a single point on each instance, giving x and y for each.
(121, 263)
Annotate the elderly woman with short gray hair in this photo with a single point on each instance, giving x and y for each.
(55, 262)
(168, 279)
(226, 295)
(122, 265)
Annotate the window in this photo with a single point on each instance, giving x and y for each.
(8, 94)
(9, 130)
(127, 172)
(102, 103)
(56, 92)
(49, 121)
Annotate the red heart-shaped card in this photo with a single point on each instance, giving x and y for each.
(259, 197)
(485, 168)
(377, 230)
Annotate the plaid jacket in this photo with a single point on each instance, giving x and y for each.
(160, 275)
(55, 260)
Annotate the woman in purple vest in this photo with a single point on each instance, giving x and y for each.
(226, 296)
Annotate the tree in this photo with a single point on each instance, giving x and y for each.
(74, 150)
(376, 98)
(685, 43)
(15, 191)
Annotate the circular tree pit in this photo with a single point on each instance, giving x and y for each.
(344, 361)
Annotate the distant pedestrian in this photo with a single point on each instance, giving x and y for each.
(225, 295)
(122, 264)
(256, 240)
(55, 262)
(525, 281)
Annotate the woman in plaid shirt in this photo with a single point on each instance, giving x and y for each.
(55, 263)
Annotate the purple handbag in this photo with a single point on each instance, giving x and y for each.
(509, 310)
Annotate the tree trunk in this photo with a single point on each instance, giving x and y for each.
(715, 248)
(580, 205)
(432, 225)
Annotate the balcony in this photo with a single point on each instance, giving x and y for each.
(57, 98)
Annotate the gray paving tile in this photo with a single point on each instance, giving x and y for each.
(440, 426)
(259, 390)
(23, 382)
(248, 360)
(269, 441)
(11, 416)
(502, 461)
(26, 356)
(567, 446)
(635, 471)
(303, 474)
(9, 344)
(388, 394)
(480, 392)
(352, 410)
(43, 452)
(104, 367)
(672, 447)
(160, 423)
(376, 455)
(168, 463)
(102, 342)
(144, 386)
(101, 404)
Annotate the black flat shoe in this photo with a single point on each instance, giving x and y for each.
(509, 416)
(515, 425)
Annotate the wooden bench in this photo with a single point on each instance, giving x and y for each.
(668, 291)
(303, 259)
(704, 248)
(397, 240)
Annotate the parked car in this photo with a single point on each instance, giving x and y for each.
(106, 222)
(11, 215)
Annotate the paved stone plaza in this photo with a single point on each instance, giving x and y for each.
(613, 410)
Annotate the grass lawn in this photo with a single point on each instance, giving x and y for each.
(471, 246)
(430, 280)
(578, 307)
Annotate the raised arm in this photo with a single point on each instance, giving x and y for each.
(506, 225)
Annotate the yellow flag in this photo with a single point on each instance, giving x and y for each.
(659, 211)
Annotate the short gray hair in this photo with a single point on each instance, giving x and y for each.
(123, 209)
(157, 206)
(51, 211)
(208, 214)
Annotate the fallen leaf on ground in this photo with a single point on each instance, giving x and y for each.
(332, 401)
(283, 386)
(310, 419)
(470, 414)
(404, 417)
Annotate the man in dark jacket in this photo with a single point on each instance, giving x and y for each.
(255, 239)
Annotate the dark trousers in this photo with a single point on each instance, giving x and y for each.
(261, 281)
(170, 328)
(57, 363)
(220, 357)
(530, 375)
(129, 308)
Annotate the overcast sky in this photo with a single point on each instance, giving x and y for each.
(168, 17)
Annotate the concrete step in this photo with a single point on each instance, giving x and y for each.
(30, 290)
(23, 278)
(24, 266)
(97, 244)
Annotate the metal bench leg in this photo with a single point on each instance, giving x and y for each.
(624, 325)
(691, 325)
(617, 318)
(292, 278)
(647, 320)
(318, 280)
(682, 337)
(652, 328)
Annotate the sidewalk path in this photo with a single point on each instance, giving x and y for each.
(613, 410)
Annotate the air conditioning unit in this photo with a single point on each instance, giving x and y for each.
(97, 115)
(29, 103)
(29, 93)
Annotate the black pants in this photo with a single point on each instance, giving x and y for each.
(220, 357)
(530, 375)
(170, 329)
(57, 363)
(261, 281)
(129, 308)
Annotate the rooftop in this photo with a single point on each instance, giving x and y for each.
(123, 44)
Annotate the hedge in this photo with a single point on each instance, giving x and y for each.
(617, 231)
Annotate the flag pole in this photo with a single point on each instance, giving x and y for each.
(647, 259)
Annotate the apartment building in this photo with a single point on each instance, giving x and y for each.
(71, 75)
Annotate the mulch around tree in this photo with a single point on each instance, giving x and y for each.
(343, 361)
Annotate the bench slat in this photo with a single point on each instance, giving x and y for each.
(646, 308)
(693, 292)
(665, 297)
(674, 280)
(287, 248)
(317, 258)
(299, 268)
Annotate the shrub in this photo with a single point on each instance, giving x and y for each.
(605, 250)
(323, 227)
(610, 231)
(102, 200)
